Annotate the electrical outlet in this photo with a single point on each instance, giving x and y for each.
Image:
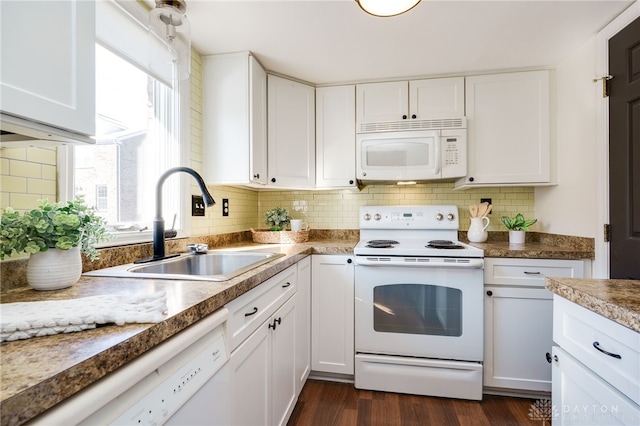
(485, 200)
(225, 207)
(197, 205)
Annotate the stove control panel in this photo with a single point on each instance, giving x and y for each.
(409, 217)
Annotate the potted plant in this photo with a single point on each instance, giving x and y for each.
(517, 226)
(54, 235)
(277, 218)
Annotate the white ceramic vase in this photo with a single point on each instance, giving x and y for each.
(54, 269)
(516, 237)
(477, 232)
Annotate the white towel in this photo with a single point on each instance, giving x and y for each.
(24, 320)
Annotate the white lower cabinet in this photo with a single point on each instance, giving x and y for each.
(596, 368)
(518, 328)
(332, 316)
(264, 365)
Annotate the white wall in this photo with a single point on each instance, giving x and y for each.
(570, 208)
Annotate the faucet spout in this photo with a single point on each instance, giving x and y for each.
(158, 221)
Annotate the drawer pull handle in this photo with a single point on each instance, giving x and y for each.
(286, 285)
(255, 311)
(531, 273)
(597, 346)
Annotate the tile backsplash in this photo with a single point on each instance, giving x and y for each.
(26, 176)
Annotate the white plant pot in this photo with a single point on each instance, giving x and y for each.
(516, 237)
(54, 269)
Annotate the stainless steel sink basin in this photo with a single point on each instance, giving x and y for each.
(210, 266)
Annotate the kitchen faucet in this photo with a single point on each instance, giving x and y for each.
(158, 221)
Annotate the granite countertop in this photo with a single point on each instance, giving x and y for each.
(40, 372)
(617, 300)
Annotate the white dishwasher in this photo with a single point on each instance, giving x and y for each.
(182, 381)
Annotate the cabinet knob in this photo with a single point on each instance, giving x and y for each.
(548, 356)
(404, 117)
(489, 293)
(351, 182)
(349, 261)
(471, 179)
(414, 116)
(273, 180)
(256, 176)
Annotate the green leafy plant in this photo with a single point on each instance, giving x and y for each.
(59, 225)
(517, 223)
(277, 218)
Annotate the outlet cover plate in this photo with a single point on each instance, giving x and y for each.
(197, 205)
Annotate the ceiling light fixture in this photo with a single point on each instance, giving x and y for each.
(168, 23)
(386, 8)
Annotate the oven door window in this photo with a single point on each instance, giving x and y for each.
(417, 309)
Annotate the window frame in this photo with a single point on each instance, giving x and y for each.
(65, 160)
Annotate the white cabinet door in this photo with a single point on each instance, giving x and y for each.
(332, 303)
(436, 98)
(583, 398)
(335, 137)
(48, 62)
(291, 129)
(303, 328)
(381, 102)
(251, 380)
(283, 366)
(234, 119)
(508, 129)
(518, 335)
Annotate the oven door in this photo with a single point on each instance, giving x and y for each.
(419, 311)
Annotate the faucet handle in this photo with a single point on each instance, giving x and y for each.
(198, 248)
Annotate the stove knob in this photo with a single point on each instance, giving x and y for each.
(450, 216)
(377, 217)
(439, 217)
(367, 216)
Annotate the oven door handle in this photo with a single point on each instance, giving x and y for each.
(414, 263)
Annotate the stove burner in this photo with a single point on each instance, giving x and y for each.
(443, 244)
(381, 243)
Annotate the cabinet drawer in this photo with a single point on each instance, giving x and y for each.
(251, 309)
(578, 331)
(529, 272)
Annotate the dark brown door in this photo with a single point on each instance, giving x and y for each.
(624, 152)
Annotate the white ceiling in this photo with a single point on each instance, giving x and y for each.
(334, 41)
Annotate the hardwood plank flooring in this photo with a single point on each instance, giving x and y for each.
(324, 403)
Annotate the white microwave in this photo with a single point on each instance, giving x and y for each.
(413, 155)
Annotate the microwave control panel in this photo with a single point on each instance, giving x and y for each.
(454, 154)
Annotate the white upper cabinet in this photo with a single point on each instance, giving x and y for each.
(336, 137)
(48, 63)
(508, 119)
(291, 129)
(380, 104)
(234, 120)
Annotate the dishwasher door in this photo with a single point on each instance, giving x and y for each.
(181, 381)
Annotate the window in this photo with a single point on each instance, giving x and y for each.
(101, 197)
(138, 133)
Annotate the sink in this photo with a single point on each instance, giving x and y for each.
(210, 266)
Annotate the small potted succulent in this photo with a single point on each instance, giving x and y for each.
(54, 235)
(277, 219)
(517, 226)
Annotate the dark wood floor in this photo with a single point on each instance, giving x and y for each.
(329, 403)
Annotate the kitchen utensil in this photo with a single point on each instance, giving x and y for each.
(482, 209)
(488, 209)
(473, 210)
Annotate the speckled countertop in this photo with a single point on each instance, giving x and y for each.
(40, 372)
(618, 300)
